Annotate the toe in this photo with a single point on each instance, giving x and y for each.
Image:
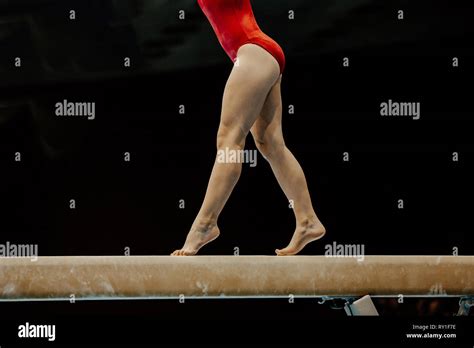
(285, 252)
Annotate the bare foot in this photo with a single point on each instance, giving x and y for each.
(307, 233)
(197, 238)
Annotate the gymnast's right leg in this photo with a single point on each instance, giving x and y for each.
(268, 135)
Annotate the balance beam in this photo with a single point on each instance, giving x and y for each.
(253, 276)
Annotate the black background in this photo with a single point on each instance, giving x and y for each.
(136, 204)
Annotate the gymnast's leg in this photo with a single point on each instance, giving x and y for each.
(268, 135)
(245, 93)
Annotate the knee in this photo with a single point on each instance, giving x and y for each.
(230, 137)
(270, 148)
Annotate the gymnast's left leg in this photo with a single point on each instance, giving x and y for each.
(268, 135)
(245, 93)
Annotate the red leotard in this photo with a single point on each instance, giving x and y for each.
(235, 25)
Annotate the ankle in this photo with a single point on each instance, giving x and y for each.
(308, 221)
(205, 223)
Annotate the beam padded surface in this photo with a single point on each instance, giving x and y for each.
(162, 276)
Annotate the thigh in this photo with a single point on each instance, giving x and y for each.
(247, 88)
(268, 125)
